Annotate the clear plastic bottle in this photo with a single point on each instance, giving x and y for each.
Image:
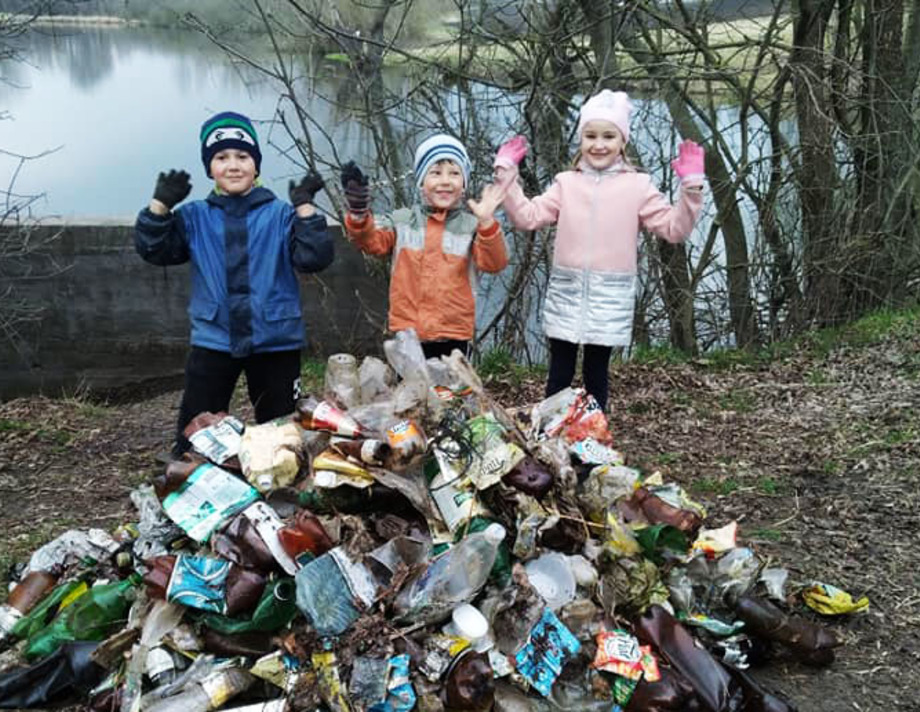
(208, 694)
(454, 577)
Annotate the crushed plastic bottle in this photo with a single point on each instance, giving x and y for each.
(208, 694)
(452, 578)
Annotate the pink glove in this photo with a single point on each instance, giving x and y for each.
(511, 153)
(690, 162)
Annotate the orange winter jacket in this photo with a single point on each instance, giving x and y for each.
(437, 258)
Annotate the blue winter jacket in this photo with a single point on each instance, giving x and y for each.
(243, 251)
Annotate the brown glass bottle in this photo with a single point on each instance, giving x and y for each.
(157, 577)
(177, 472)
(306, 533)
(371, 452)
(32, 589)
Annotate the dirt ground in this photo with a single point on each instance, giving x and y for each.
(817, 455)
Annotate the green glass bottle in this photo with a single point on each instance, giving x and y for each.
(275, 609)
(93, 616)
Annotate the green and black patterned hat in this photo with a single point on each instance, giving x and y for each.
(229, 130)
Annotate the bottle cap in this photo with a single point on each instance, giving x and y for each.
(467, 622)
(495, 532)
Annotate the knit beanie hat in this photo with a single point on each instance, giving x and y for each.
(612, 106)
(228, 130)
(440, 147)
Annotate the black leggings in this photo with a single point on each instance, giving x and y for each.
(434, 349)
(594, 370)
(272, 378)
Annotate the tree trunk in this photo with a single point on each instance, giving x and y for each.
(818, 168)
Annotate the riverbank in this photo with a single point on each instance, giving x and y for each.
(70, 20)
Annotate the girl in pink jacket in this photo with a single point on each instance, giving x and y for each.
(598, 209)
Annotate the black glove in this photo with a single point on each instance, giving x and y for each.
(303, 192)
(357, 192)
(172, 188)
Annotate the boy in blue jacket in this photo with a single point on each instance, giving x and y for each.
(245, 247)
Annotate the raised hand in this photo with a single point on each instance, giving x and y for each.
(172, 188)
(355, 186)
(484, 208)
(304, 192)
(511, 153)
(690, 163)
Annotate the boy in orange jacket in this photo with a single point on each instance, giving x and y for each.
(438, 247)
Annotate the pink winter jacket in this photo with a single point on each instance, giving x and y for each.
(591, 295)
(599, 216)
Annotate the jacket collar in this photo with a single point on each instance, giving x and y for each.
(240, 204)
(440, 215)
(620, 166)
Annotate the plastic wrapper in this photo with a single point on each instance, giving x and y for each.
(155, 529)
(590, 452)
(605, 485)
(573, 414)
(829, 600)
(550, 646)
(774, 581)
(332, 592)
(70, 548)
(208, 498)
(217, 437)
(630, 586)
(405, 355)
(341, 382)
(716, 541)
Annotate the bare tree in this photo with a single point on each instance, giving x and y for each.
(809, 120)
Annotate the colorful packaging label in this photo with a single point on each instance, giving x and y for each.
(550, 645)
(219, 442)
(206, 499)
(199, 582)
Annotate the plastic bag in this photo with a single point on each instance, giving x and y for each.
(374, 380)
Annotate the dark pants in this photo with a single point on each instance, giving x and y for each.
(211, 376)
(594, 369)
(433, 349)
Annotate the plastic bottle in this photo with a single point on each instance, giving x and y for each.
(22, 599)
(90, 617)
(209, 694)
(454, 577)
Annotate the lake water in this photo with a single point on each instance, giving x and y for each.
(116, 106)
(112, 107)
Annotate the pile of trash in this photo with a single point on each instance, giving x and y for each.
(405, 543)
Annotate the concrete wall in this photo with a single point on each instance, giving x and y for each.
(108, 319)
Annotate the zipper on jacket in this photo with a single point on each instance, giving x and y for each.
(586, 267)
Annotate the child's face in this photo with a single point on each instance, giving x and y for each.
(234, 171)
(601, 144)
(442, 187)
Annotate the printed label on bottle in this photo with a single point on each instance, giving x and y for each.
(267, 524)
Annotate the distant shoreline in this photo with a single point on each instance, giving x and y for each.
(82, 20)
